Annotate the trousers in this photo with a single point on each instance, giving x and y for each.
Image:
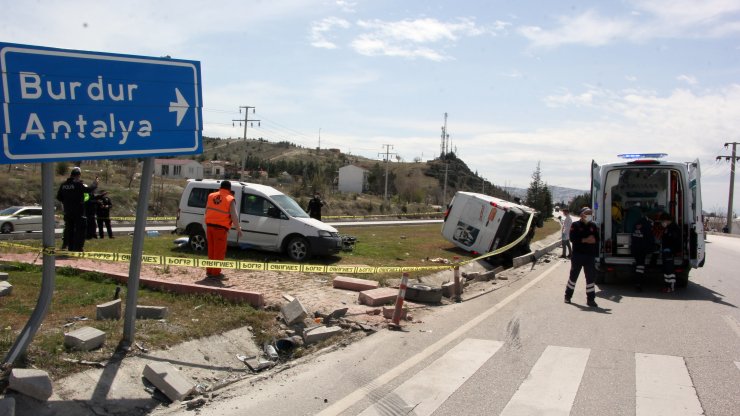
(216, 237)
(586, 262)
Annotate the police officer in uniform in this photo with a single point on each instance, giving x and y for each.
(221, 215)
(73, 194)
(642, 244)
(584, 234)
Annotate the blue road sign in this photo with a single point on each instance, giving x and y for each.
(63, 104)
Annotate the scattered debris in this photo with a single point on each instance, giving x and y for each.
(140, 346)
(96, 364)
(195, 403)
(438, 260)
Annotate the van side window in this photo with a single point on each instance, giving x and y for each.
(256, 205)
(198, 197)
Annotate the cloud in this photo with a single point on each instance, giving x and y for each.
(412, 38)
(689, 79)
(650, 19)
(319, 31)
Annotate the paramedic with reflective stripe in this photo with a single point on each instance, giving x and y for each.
(584, 235)
(221, 214)
(670, 247)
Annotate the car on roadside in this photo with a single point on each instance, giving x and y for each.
(20, 218)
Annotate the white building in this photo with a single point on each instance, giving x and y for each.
(178, 169)
(353, 179)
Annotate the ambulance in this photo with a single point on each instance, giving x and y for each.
(645, 184)
(480, 224)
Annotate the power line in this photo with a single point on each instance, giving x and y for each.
(246, 121)
(388, 147)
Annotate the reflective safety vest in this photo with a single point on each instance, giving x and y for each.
(218, 209)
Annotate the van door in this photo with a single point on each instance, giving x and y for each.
(260, 227)
(595, 191)
(696, 241)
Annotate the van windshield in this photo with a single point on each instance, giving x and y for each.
(289, 205)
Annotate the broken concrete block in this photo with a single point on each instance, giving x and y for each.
(168, 380)
(294, 312)
(84, 339)
(354, 284)
(6, 289)
(7, 406)
(151, 312)
(3, 276)
(108, 310)
(377, 297)
(388, 313)
(320, 333)
(31, 382)
(448, 289)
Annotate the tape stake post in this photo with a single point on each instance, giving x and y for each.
(458, 286)
(396, 321)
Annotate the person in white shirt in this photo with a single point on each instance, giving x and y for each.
(565, 234)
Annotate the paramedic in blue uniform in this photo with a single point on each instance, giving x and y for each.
(670, 247)
(584, 235)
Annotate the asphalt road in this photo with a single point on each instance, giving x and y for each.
(520, 350)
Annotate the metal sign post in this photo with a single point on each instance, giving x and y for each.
(60, 104)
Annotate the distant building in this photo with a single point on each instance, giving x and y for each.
(353, 179)
(215, 169)
(178, 169)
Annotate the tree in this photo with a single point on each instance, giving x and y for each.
(539, 196)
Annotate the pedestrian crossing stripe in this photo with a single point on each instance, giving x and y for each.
(423, 393)
(663, 385)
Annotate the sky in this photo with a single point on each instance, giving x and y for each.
(522, 83)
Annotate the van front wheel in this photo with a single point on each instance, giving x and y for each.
(297, 249)
(197, 241)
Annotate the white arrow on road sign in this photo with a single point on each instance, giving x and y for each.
(181, 106)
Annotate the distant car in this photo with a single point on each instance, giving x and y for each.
(26, 218)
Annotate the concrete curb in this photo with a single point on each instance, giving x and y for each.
(535, 255)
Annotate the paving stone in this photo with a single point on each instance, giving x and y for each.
(3, 276)
(168, 380)
(377, 297)
(151, 312)
(320, 333)
(294, 312)
(84, 339)
(31, 382)
(388, 313)
(7, 406)
(109, 310)
(6, 289)
(448, 289)
(353, 283)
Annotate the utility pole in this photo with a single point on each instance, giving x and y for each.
(319, 148)
(245, 121)
(387, 155)
(444, 147)
(444, 188)
(732, 160)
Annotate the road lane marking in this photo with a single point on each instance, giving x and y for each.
(552, 384)
(664, 387)
(732, 322)
(357, 395)
(423, 393)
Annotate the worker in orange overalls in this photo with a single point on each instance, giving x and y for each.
(221, 215)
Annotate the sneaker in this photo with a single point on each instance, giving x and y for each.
(566, 299)
(219, 276)
(592, 303)
(668, 290)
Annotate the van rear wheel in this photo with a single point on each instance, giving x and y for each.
(197, 241)
(298, 249)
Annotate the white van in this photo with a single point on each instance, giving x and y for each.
(270, 220)
(480, 224)
(621, 191)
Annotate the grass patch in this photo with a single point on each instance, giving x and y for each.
(76, 295)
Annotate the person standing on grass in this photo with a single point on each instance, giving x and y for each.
(314, 206)
(73, 194)
(221, 215)
(104, 206)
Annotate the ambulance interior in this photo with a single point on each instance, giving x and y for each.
(632, 191)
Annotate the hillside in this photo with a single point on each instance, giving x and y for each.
(297, 171)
